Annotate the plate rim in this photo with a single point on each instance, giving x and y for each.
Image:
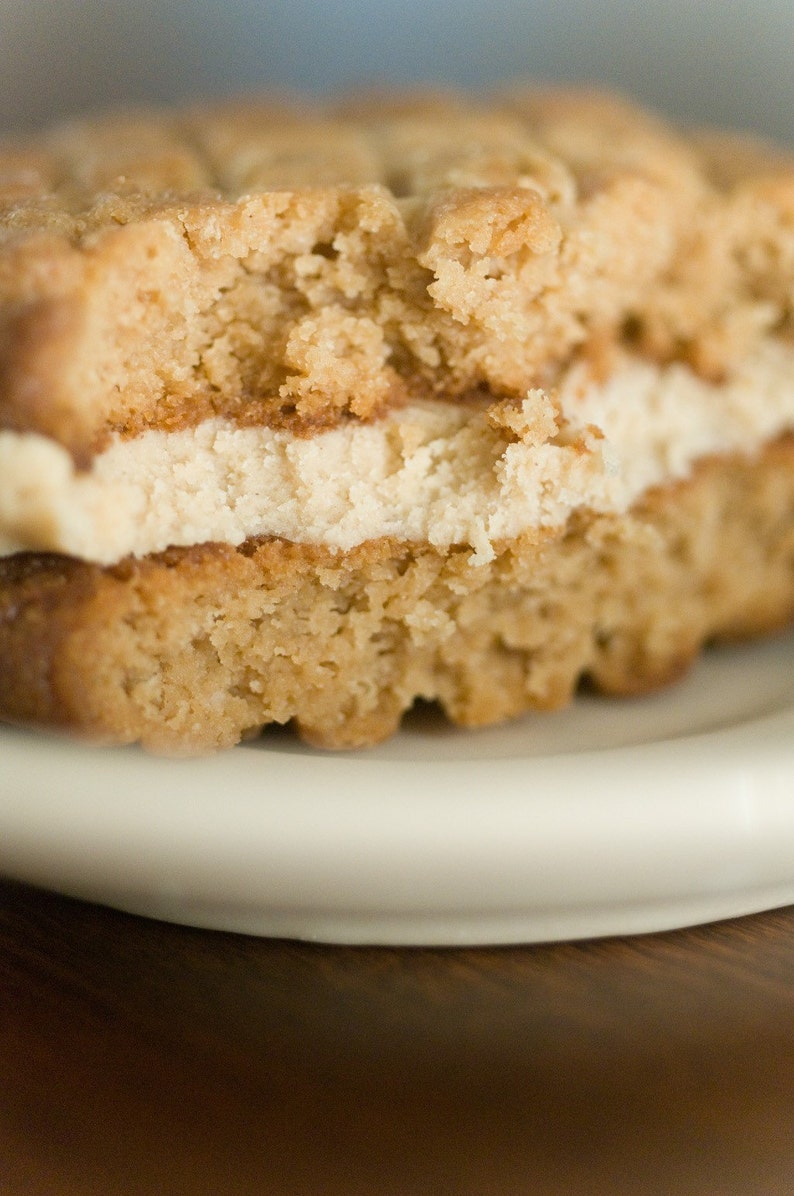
(151, 862)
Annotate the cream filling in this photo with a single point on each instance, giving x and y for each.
(431, 471)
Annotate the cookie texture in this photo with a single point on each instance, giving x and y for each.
(311, 410)
(299, 265)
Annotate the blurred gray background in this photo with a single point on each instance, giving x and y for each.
(729, 63)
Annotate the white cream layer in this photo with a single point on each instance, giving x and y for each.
(431, 471)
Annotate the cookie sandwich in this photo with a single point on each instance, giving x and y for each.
(309, 411)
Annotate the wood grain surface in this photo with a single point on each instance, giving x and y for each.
(137, 1057)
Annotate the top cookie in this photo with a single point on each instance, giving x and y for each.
(295, 264)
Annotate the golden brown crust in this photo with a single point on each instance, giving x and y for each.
(292, 263)
(194, 649)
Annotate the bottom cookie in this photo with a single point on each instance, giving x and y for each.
(194, 649)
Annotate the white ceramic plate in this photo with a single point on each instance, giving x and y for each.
(608, 818)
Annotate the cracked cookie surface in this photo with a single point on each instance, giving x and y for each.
(301, 265)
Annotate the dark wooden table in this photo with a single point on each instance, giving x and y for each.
(138, 1057)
